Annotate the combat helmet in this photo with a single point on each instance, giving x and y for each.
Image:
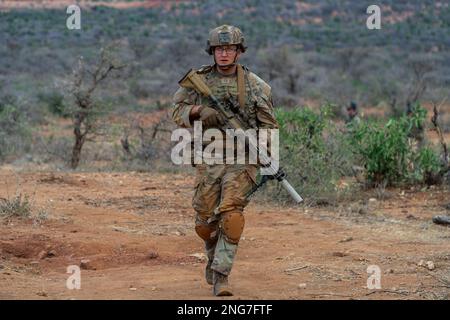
(225, 35)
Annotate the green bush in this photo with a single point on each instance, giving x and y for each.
(427, 166)
(54, 102)
(302, 127)
(388, 155)
(383, 150)
(314, 154)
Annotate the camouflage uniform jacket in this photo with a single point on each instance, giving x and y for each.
(258, 104)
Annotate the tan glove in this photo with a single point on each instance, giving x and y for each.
(210, 117)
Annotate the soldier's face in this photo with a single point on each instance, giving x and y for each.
(226, 55)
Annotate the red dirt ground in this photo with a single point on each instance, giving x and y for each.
(137, 231)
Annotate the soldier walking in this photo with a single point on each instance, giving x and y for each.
(220, 189)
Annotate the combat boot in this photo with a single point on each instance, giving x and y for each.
(209, 272)
(210, 248)
(221, 286)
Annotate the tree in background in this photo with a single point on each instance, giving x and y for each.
(86, 110)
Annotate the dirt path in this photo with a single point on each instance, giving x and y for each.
(136, 230)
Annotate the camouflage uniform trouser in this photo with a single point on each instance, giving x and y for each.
(220, 195)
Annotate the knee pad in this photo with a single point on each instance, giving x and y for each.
(208, 232)
(232, 225)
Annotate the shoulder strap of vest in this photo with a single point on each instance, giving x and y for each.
(241, 85)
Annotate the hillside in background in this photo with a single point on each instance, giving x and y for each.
(318, 50)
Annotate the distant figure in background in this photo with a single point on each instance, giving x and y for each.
(352, 113)
(409, 109)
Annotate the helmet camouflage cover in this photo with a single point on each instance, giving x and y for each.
(225, 35)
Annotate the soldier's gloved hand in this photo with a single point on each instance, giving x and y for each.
(210, 117)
